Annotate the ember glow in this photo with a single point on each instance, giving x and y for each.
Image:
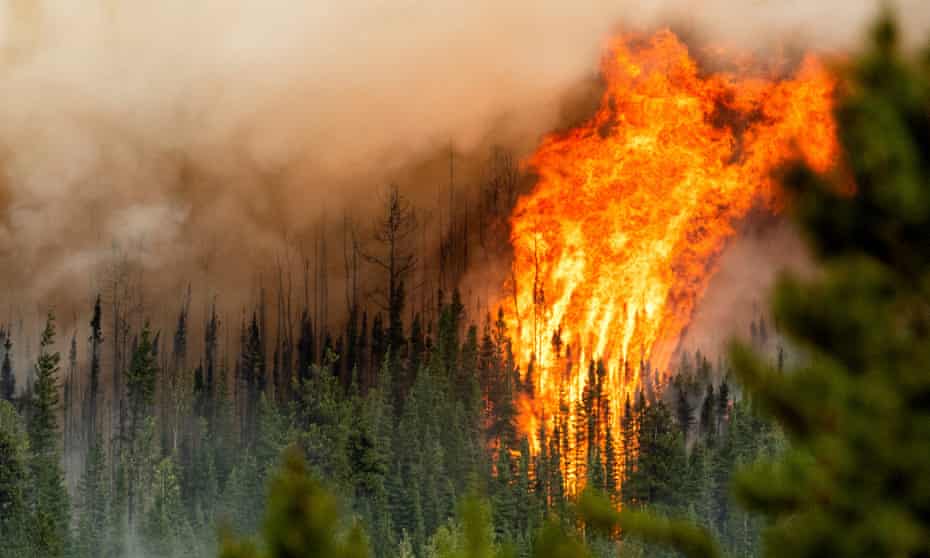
(621, 234)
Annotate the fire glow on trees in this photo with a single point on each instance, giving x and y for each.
(619, 238)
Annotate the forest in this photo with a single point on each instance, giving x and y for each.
(397, 432)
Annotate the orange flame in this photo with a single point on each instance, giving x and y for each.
(619, 238)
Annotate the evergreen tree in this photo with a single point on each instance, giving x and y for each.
(302, 519)
(92, 487)
(7, 378)
(210, 365)
(305, 347)
(165, 531)
(93, 388)
(252, 370)
(708, 420)
(139, 445)
(684, 412)
(660, 461)
(48, 496)
(92, 499)
(610, 459)
(14, 477)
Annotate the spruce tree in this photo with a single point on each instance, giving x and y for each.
(7, 378)
(48, 496)
(684, 412)
(92, 487)
(90, 540)
(139, 446)
(93, 388)
(302, 519)
(14, 485)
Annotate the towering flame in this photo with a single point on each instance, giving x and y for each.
(619, 238)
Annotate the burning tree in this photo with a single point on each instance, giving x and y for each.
(620, 236)
(854, 482)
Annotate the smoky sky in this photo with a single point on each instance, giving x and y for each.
(198, 137)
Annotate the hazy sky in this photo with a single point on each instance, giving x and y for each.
(205, 131)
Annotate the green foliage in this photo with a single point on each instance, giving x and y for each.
(302, 520)
(470, 535)
(14, 453)
(47, 497)
(7, 378)
(92, 499)
(165, 531)
(140, 379)
(660, 461)
(695, 542)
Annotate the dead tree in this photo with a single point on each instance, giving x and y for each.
(396, 223)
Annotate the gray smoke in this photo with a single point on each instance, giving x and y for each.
(198, 138)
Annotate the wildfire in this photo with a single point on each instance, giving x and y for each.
(620, 236)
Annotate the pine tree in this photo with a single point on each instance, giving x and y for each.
(210, 365)
(14, 477)
(708, 420)
(628, 429)
(252, 370)
(139, 444)
(610, 458)
(92, 499)
(48, 497)
(505, 497)
(165, 530)
(93, 389)
(7, 378)
(405, 496)
(70, 388)
(660, 460)
(302, 519)
(305, 347)
(244, 495)
(92, 487)
(723, 405)
(684, 412)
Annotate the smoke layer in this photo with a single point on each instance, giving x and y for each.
(199, 137)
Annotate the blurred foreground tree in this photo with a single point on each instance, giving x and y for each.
(302, 520)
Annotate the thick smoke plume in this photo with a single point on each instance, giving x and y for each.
(197, 139)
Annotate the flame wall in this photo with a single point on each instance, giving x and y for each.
(619, 238)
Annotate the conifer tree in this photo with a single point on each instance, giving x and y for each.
(139, 445)
(14, 478)
(708, 420)
(252, 370)
(302, 519)
(92, 487)
(165, 531)
(684, 412)
(92, 500)
(48, 496)
(93, 388)
(7, 378)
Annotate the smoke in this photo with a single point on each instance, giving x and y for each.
(746, 273)
(198, 138)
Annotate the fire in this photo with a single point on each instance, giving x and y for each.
(619, 238)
